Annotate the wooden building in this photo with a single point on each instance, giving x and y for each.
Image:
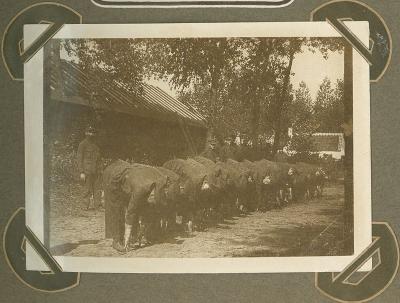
(151, 127)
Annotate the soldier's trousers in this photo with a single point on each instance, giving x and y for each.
(117, 223)
(90, 182)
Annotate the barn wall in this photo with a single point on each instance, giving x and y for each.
(119, 136)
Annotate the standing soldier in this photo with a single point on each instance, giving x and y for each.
(89, 164)
(209, 152)
(239, 151)
(226, 151)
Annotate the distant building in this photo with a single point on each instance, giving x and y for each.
(328, 144)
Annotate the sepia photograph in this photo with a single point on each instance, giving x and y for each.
(198, 147)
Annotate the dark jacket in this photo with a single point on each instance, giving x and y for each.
(226, 152)
(129, 186)
(88, 157)
(139, 182)
(209, 154)
(115, 198)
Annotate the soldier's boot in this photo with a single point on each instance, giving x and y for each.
(281, 199)
(190, 226)
(319, 191)
(99, 202)
(89, 202)
(118, 246)
(307, 195)
(143, 235)
(291, 196)
(102, 200)
(96, 204)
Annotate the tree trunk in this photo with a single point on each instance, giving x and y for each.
(264, 51)
(348, 231)
(280, 102)
(213, 104)
(255, 121)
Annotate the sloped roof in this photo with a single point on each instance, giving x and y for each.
(326, 142)
(153, 102)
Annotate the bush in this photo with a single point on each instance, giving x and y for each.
(63, 165)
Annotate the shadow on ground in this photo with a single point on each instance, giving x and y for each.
(304, 240)
(63, 249)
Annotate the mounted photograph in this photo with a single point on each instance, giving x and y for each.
(198, 148)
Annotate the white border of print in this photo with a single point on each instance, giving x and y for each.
(33, 91)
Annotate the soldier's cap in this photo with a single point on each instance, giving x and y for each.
(90, 130)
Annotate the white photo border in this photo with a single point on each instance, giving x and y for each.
(33, 115)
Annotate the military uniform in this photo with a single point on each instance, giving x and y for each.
(115, 199)
(89, 164)
(226, 152)
(239, 153)
(134, 194)
(209, 154)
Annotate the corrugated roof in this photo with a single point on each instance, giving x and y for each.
(154, 103)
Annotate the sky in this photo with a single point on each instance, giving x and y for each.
(313, 68)
(309, 67)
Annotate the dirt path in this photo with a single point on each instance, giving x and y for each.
(310, 228)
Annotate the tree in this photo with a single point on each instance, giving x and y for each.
(325, 46)
(257, 81)
(301, 111)
(118, 61)
(238, 84)
(335, 110)
(329, 106)
(294, 46)
(189, 64)
(228, 80)
(301, 120)
(323, 100)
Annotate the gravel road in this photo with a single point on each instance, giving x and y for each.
(309, 228)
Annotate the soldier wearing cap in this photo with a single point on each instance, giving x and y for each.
(89, 163)
(210, 152)
(227, 150)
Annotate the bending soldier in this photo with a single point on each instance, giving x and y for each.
(132, 191)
